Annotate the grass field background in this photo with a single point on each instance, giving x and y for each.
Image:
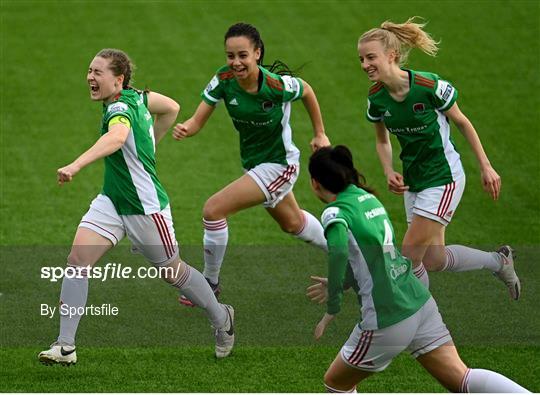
(489, 50)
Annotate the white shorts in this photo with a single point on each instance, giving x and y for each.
(437, 203)
(419, 334)
(150, 235)
(275, 180)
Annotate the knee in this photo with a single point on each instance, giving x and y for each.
(292, 225)
(212, 210)
(433, 264)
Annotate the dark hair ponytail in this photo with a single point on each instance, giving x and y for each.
(334, 169)
(249, 31)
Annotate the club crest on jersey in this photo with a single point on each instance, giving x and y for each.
(267, 106)
(419, 108)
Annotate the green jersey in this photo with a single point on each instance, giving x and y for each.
(130, 173)
(428, 153)
(362, 254)
(262, 119)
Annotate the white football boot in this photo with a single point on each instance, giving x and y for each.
(62, 354)
(225, 336)
(507, 274)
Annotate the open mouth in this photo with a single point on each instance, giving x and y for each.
(94, 88)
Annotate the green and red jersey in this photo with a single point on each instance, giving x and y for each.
(262, 119)
(428, 153)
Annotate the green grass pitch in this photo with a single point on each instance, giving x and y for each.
(489, 50)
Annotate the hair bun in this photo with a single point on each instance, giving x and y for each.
(342, 155)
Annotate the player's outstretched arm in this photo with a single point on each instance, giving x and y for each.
(491, 181)
(107, 144)
(195, 123)
(165, 111)
(312, 106)
(338, 258)
(384, 151)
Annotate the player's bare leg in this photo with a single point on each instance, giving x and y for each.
(446, 366)
(418, 238)
(341, 377)
(300, 223)
(240, 194)
(435, 255)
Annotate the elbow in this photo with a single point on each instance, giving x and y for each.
(119, 143)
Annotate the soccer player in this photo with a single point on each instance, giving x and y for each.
(259, 104)
(397, 312)
(417, 107)
(132, 201)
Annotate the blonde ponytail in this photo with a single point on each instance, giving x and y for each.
(402, 37)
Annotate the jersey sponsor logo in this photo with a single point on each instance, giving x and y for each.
(387, 114)
(291, 84)
(418, 108)
(233, 102)
(250, 122)
(396, 271)
(416, 129)
(214, 82)
(117, 107)
(329, 214)
(267, 106)
(444, 90)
